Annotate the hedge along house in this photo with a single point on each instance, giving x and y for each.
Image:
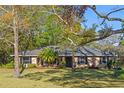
(80, 57)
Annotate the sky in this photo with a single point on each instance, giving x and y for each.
(92, 18)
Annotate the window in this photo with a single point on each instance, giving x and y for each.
(104, 60)
(81, 60)
(26, 60)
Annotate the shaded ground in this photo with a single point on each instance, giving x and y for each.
(53, 78)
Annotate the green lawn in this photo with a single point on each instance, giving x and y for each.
(54, 78)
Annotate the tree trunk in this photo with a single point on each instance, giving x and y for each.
(16, 54)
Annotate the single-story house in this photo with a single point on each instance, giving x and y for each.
(82, 56)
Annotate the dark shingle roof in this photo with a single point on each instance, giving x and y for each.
(87, 51)
(80, 51)
(31, 53)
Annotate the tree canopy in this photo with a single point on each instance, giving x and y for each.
(24, 28)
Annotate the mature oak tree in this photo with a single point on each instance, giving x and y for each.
(31, 21)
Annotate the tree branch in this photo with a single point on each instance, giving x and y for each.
(3, 9)
(105, 36)
(72, 42)
(7, 41)
(112, 12)
(54, 11)
(106, 17)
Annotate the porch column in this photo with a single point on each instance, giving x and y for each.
(107, 59)
(86, 60)
(101, 60)
(63, 58)
(76, 61)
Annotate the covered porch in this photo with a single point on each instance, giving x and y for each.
(85, 61)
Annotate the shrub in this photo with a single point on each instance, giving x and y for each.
(121, 76)
(9, 65)
(109, 64)
(62, 64)
(0, 66)
(118, 74)
(31, 66)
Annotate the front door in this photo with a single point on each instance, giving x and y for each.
(68, 61)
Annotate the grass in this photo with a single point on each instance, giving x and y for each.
(55, 78)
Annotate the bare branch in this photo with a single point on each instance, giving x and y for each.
(106, 17)
(59, 16)
(7, 41)
(111, 13)
(3, 9)
(55, 13)
(72, 42)
(105, 36)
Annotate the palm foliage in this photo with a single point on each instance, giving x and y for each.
(48, 55)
